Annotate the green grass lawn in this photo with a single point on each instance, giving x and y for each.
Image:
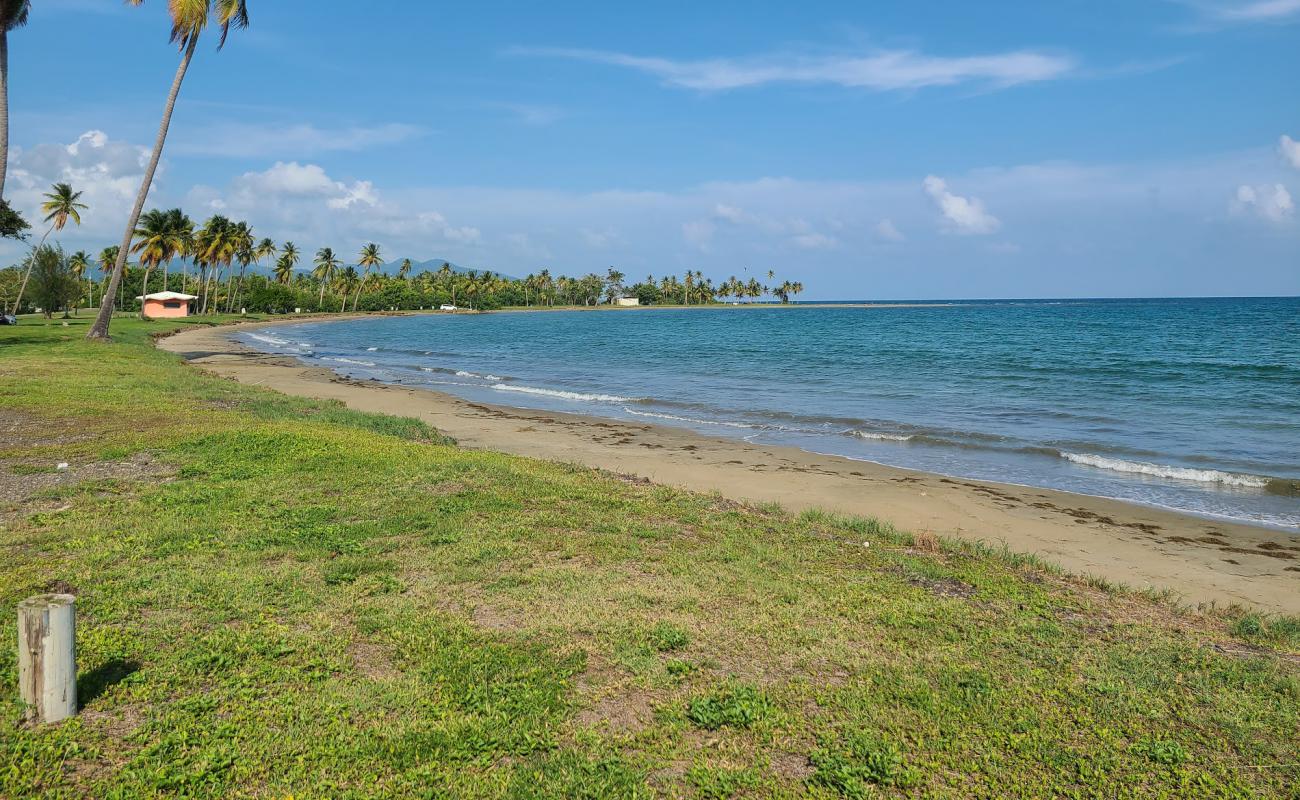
(280, 597)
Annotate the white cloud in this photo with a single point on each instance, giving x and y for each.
(1258, 11)
(1290, 150)
(106, 172)
(962, 214)
(731, 214)
(814, 241)
(883, 70)
(698, 233)
(598, 239)
(1273, 203)
(887, 231)
(254, 140)
(537, 116)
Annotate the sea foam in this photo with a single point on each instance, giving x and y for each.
(563, 395)
(883, 437)
(693, 420)
(1162, 471)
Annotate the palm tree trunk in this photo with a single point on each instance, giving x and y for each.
(4, 108)
(320, 301)
(144, 290)
(28, 273)
(99, 331)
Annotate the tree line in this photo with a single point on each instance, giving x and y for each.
(220, 262)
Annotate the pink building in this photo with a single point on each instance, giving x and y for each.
(164, 305)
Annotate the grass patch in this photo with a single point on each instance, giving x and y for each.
(307, 601)
(734, 706)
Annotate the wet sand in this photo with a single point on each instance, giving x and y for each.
(1202, 560)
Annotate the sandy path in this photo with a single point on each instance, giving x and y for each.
(1202, 560)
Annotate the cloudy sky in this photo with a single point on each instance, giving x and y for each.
(887, 150)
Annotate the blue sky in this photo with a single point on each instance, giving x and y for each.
(885, 150)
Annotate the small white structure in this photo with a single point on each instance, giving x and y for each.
(626, 301)
(447, 307)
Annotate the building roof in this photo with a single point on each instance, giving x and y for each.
(168, 296)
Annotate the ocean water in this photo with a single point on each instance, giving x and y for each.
(1185, 404)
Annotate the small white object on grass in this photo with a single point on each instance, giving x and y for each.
(62, 466)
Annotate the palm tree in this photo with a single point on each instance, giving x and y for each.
(180, 236)
(243, 247)
(61, 204)
(153, 245)
(448, 279)
(327, 264)
(264, 249)
(347, 279)
(13, 14)
(107, 258)
(79, 263)
(369, 258)
(213, 248)
(404, 269)
(189, 18)
(288, 259)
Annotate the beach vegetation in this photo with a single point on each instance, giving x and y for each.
(282, 597)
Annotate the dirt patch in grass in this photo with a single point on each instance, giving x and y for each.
(20, 480)
(622, 710)
(372, 660)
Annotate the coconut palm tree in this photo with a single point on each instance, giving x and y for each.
(327, 265)
(284, 266)
(405, 269)
(180, 241)
(61, 204)
(369, 259)
(107, 259)
(346, 280)
(79, 263)
(448, 280)
(213, 248)
(243, 248)
(153, 245)
(13, 14)
(189, 19)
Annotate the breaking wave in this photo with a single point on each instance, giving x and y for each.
(1162, 471)
(563, 395)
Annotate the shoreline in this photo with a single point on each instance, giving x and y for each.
(1202, 560)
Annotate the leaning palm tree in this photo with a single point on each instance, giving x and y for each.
(369, 259)
(61, 204)
(78, 263)
(13, 14)
(327, 265)
(189, 18)
(405, 269)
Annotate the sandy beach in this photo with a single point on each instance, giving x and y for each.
(1202, 560)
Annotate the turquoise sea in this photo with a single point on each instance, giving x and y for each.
(1190, 404)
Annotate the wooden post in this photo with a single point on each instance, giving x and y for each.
(47, 656)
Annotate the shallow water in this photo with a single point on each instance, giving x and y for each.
(1186, 404)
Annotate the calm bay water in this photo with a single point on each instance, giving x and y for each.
(1186, 404)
